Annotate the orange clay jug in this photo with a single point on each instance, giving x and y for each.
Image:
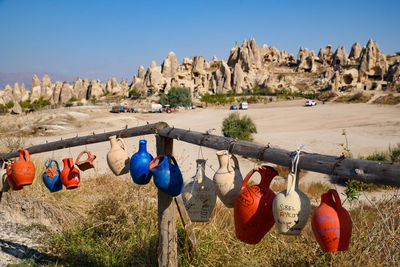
(331, 223)
(253, 207)
(70, 176)
(87, 164)
(10, 178)
(23, 170)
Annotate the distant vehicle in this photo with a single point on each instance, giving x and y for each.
(120, 109)
(243, 105)
(233, 107)
(310, 103)
(156, 108)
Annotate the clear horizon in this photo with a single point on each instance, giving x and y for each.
(102, 39)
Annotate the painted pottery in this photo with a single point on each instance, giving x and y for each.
(117, 157)
(87, 164)
(331, 223)
(167, 176)
(3, 175)
(253, 207)
(51, 176)
(70, 176)
(139, 165)
(199, 195)
(227, 180)
(23, 170)
(291, 208)
(11, 180)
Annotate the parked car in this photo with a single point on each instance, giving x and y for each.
(310, 103)
(233, 107)
(243, 105)
(117, 109)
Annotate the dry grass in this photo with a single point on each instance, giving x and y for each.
(387, 100)
(110, 221)
(355, 98)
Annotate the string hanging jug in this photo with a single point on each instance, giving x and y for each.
(291, 207)
(227, 179)
(70, 175)
(23, 169)
(86, 164)
(331, 223)
(253, 207)
(51, 176)
(167, 176)
(117, 157)
(199, 194)
(139, 164)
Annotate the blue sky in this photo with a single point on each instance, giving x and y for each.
(100, 39)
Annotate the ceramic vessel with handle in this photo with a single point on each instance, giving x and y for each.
(117, 157)
(227, 179)
(167, 176)
(51, 176)
(86, 164)
(291, 208)
(70, 176)
(23, 169)
(139, 165)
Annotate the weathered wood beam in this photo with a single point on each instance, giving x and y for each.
(386, 173)
(89, 139)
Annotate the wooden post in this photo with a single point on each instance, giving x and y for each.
(167, 234)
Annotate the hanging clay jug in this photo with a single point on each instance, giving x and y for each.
(167, 176)
(253, 207)
(10, 178)
(23, 170)
(117, 157)
(70, 176)
(87, 164)
(291, 208)
(139, 165)
(4, 180)
(227, 180)
(51, 176)
(331, 223)
(199, 195)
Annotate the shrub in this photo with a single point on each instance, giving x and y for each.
(10, 105)
(163, 99)
(134, 94)
(72, 99)
(238, 127)
(106, 93)
(179, 97)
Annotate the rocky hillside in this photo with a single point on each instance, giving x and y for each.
(248, 66)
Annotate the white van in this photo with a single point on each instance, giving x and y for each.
(244, 105)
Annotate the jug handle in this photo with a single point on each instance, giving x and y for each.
(122, 142)
(235, 161)
(9, 172)
(173, 159)
(291, 184)
(48, 162)
(267, 174)
(55, 161)
(245, 181)
(78, 159)
(335, 194)
(25, 154)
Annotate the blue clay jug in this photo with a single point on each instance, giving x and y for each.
(167, 176)
(139, 164)
(51, 177)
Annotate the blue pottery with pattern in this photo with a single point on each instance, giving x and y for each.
(51, 177)
(139, 164)
(167, 176)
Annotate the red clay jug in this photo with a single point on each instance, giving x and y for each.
(87, 164)
(70, 175)
(10, 178)
(23, 170)
(331, 223)
(253, 207)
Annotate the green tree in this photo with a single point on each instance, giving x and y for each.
(10, 104)
(179, 97)
(163, 99)
(238, 127)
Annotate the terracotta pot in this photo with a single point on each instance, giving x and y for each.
(291, 208)
(253, 207)
(87, 164)
(117, 157)
(167, 176)
(199, 195)
(70, 176)
(51, 176)
(227, 180)
(11, 180)
(139, 165)
(23, 170)
(331, 223)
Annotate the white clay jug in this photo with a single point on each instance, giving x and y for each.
(227, 180)
(291, 208)
(199, 195)
(118, 158)
(5, 186)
